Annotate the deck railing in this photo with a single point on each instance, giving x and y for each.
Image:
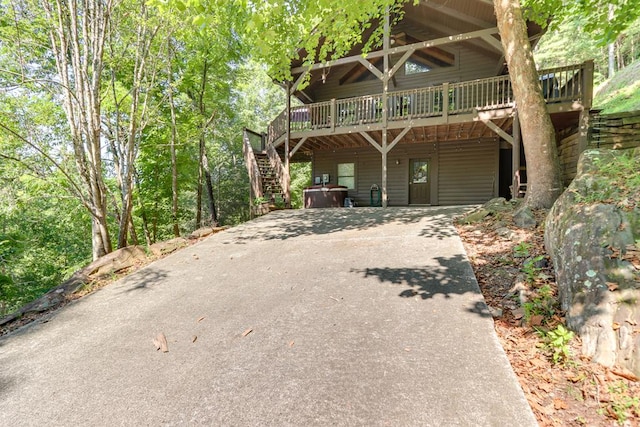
(562, 84)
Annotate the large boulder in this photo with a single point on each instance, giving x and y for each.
(115, 261)
(594, 247)
(168, 246)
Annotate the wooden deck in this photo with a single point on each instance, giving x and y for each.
(451, 106)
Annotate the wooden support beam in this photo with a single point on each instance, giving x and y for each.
(400, 49)
(357, 71)
(493, 42)
(515, 157)
(304, 94)
(287, 139)
(299, 80)
(369, 66)
(494, 127)
(401, 62)
(371, 141)
(398, 138)
(429, 54)
(297, 147)
(454, 13)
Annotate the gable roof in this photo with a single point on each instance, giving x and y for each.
(425, 21)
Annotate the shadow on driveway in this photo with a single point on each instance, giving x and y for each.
(282, 225)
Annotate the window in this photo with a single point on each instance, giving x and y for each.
(414, 67)
(347, 175)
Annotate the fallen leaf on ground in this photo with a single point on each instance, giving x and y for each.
(160, 341)
(247, 332)
(612, 286)
(194, 338)
(545, 387)
(536, 320)
(559, 404)
(200, 319)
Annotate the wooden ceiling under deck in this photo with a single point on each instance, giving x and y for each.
(421, 134)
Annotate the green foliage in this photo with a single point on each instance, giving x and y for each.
(530, 269)
(616, 181)
(300, 178)
(604, 19)
(521, 250)
(260, 200)
(42, 239)
(622, 92)
(542, 303)
(556, 342)
(621, 406)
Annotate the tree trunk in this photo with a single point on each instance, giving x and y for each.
(77, 36)
(544, 183)
(143, 211)
(199, 190)
(203, 169)
(174, 136)
(611, 48)
(213, 219)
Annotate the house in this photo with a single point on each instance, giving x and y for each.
(429, 118)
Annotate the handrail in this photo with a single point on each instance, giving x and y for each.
(276, 164)
(252, 167)
(559, 84)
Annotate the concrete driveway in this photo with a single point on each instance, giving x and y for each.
(357, 317)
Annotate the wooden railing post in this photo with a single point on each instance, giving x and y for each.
(445, 100)
(333, 117)
(587, 84)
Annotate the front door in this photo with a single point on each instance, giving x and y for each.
(419, 182)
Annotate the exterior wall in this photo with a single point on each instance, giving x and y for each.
(463, 172)
(568, 153)
(468, 171)
(470, 65)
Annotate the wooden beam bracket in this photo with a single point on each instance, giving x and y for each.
(372, 141)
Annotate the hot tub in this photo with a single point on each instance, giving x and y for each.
(328, 196)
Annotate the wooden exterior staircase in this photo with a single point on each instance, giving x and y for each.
(271, 188)
(266, 174)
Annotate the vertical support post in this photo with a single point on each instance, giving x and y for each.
(515, 157)
(445, 101)
(385, 104)
(587, 99)
(587, 84)
(333, 114)
(287, 139)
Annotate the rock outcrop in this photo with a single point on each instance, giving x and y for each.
(594, 246)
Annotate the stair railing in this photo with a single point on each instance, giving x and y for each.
(278, 166)
(255, 178)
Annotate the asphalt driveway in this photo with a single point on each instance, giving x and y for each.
(344, 317)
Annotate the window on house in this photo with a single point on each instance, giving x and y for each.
(347, 175)
(414, 67)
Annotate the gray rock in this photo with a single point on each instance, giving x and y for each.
(499, 204)
(524, 218)
(597, 287)
(495, 312)
(498, 225)
(115, 261)
(506, 233)
(164, 248)
(476, 216)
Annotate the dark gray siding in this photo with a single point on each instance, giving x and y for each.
(470, 65)
(368, 164)
(468, 171)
